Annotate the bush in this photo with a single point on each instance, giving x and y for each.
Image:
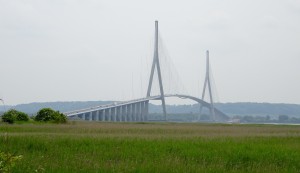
(8, 161)
(13, 115)
(21, 116)
(48, 114)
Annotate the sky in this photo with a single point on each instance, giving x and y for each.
(75, 50)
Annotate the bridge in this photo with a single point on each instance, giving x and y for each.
(138, 109)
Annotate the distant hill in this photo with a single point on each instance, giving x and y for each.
(231, 109)
(256, 109)
(259, 109)
(32, 108)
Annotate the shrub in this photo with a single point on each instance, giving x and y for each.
(13, 115)
(21, 116)
(8, 161)
(48, 114)
(8, 118)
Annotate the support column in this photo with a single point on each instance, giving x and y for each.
(101, 115)
(97, 115)
(124, 113)
(128, 114)
(146, 110)
(107, 114)
(133, 112)
(90, 116)
(83, 116)
(143, 111)
(113, 114)
(138, 110)
(118, 114)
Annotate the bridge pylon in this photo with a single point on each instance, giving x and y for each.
(155, 63)
(207, 83)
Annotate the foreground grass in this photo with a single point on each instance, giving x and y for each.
(127, 147)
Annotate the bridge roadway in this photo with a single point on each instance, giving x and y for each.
(133, 110)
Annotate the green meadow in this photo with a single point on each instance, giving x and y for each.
(152, 147)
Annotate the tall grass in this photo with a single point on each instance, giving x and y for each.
(127, 147)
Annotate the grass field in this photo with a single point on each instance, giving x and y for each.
(152, 147)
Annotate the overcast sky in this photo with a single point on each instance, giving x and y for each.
(75, 50)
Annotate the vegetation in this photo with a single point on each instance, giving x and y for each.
(13, 115)
(153, 147)
(243, 109)
(8, 161)
(267, 119)
(44, 115)
(48, 114)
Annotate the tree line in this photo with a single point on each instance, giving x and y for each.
(43, 115)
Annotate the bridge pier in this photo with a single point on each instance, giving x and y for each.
(110, 114)
(138, 111)
(129, 112)
(90, 116)
(107, 112)
(124, 114)
(133, 112)
(94, 116)
(105, 116)
(139, 115)
(146, 110)
(101, 115)
(143, 113)
(118, 116)
(113, 114)
(97, 115)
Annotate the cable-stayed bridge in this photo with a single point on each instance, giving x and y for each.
(137, 110)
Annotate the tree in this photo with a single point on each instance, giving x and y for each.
(21, 116)
(13, 115)
(283, 118)
(48, 114)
